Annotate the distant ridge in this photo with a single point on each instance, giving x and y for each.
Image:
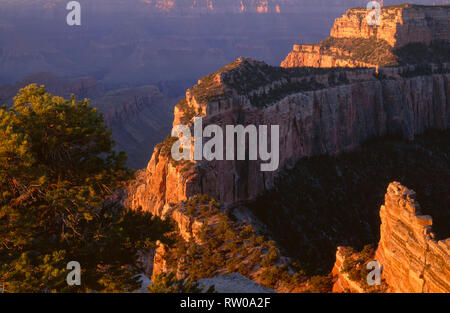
(407, 34)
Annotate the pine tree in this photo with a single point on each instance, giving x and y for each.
(58, 178)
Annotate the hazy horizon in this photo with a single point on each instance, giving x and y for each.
(134, 42)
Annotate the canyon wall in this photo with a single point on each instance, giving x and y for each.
(334, 118)
(342, 282)
(411, 258)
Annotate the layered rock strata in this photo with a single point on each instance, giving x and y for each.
(410, 257)
(353, 42)
(318, 113)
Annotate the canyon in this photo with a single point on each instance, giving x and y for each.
(330, 112)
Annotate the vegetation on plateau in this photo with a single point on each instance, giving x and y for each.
(224, 246)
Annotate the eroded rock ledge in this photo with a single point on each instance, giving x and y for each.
(412, 259)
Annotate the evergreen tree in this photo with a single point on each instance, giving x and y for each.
(58, 180)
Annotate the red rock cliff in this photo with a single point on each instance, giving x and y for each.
(411, 258)
(355, 43)
(328, 117)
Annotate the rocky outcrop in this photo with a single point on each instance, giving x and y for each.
(318, 113)
(342, 281)
(410, 257)
(322, 56)
(355, 43)
(399, 25)
(210, 244)
(161, 183)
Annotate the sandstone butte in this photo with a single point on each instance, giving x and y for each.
(399, 26)
(320, 111)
